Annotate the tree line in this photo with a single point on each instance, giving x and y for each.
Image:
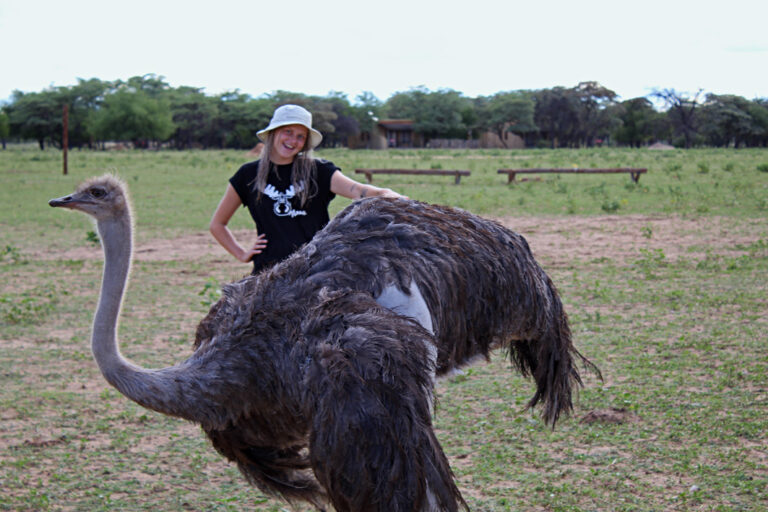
(148, 112)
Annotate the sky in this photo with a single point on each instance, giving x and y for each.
(476, 47)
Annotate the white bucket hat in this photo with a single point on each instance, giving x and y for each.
(292, 114)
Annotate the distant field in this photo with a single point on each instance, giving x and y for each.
(665, 282)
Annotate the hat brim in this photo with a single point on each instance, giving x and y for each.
(315, 137)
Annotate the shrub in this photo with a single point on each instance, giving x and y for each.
(610, 206)
(13, 255)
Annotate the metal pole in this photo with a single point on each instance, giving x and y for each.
(65, 136)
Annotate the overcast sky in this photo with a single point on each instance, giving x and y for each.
(477, 47)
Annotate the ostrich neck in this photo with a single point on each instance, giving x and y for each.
(163, 390)
(116, 238)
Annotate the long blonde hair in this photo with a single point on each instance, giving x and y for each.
(303, 175)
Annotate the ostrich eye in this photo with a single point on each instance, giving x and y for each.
(98, 193)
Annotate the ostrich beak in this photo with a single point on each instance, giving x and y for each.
(66, 202)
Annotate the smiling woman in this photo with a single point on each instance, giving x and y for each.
(287, 191)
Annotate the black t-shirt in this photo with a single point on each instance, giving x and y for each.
(278, 213)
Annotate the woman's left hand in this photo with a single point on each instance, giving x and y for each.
(351, 189)
(387, 192)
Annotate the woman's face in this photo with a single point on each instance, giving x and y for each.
(288, 142)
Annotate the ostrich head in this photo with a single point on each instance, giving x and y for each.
(102, 198)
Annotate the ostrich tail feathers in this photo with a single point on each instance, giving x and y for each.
(278, 472)
(552, 361)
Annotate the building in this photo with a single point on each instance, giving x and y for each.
(395, 133)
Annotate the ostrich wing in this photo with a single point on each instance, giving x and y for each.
(369, 380)
(347, 416)
(479, 280)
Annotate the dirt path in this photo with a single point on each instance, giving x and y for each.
(557, 240)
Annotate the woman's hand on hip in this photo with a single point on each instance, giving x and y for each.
(258, 246)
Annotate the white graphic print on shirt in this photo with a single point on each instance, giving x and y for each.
(283, 207)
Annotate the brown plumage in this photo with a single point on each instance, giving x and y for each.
(317, 391)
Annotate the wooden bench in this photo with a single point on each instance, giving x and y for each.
(634, 172)
(440, 172)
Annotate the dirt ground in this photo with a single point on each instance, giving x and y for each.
(557, 241)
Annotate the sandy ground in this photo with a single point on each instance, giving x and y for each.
(557, 241)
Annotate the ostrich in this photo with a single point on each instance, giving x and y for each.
(316, 376)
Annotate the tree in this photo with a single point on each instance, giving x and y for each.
(594, 115)
(324, 117)
(367, 111)
(132, 115)
(575, 116)
(728, 119)
(506, 112)
(153, 85)
(438, 114)
(345, 124)
(639, 121)
(758, 111)
(563, 117)
(681, 112)
(83, 98)
(405, 105)
(194, 117)
(5, 127)
(36, 116)
(557, 115)
(240, 117)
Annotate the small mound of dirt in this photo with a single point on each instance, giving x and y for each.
(613, 415)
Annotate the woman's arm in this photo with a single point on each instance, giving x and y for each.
(218, 227)
(351, 189)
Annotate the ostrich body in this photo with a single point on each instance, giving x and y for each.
(316, 375)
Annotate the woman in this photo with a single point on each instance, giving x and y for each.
(286, 191)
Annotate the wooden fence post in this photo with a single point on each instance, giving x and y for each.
(65, 136)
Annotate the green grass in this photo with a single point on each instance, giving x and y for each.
(665, 282)
(176, 192)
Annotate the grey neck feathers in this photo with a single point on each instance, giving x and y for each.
(116, 239)
(162, 390)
